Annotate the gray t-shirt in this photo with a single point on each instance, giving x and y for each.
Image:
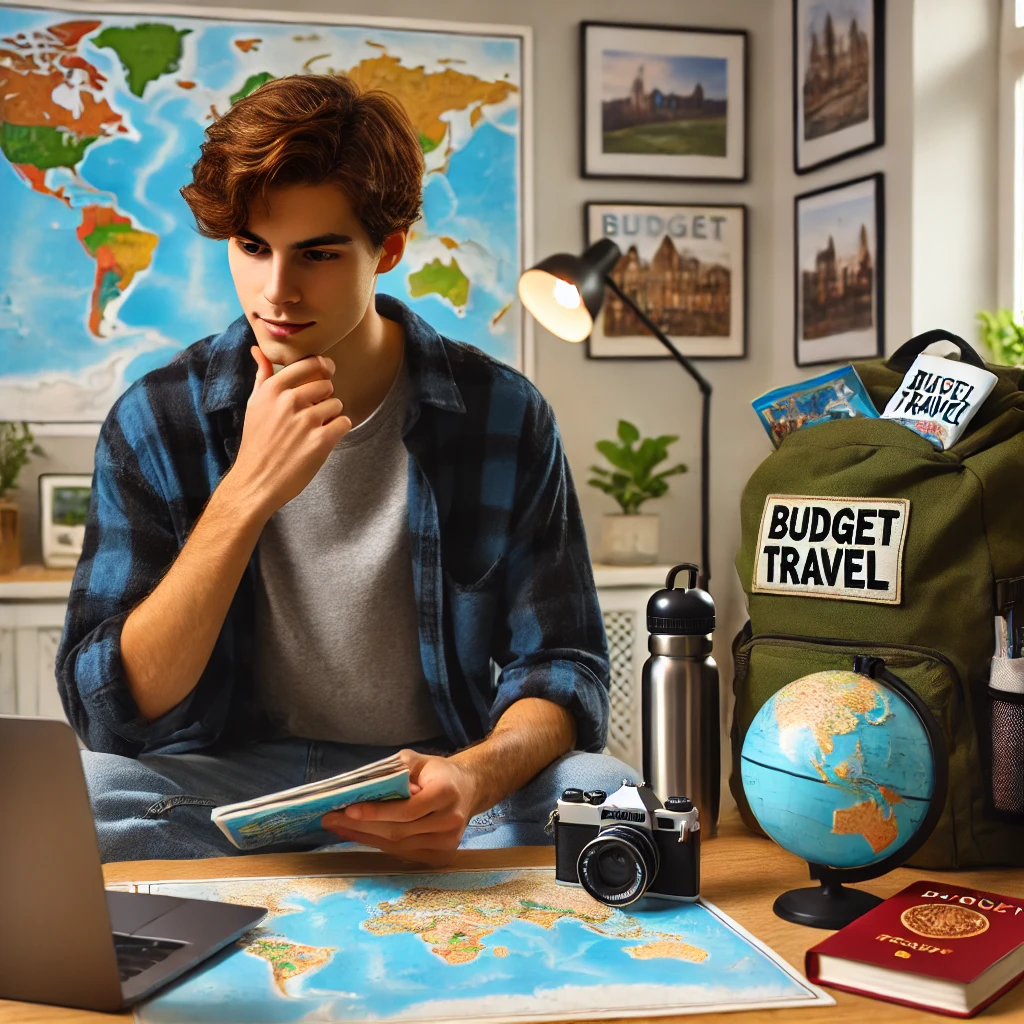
(337, 655)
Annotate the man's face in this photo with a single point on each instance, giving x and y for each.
(304, 269)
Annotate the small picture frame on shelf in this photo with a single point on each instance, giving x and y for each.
(663, 102)
(838, 80)
(63, 510)
(685, 266)
(839, 272)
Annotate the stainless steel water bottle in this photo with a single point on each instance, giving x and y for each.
(681, 728)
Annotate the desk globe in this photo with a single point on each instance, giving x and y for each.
(847, 770)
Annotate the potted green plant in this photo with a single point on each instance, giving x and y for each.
(630, 537)
(1003, 337)
(16, 445)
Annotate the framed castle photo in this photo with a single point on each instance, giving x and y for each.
(663, 102)
(838, 80)
(840, 272)
(685, 266)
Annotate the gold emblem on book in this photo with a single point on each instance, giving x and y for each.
(942, 921)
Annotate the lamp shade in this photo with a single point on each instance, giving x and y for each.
(564, 292)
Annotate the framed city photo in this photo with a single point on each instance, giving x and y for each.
(686, 267)
(63, 510)
(840, 272)
(663, 102)
(838, 80)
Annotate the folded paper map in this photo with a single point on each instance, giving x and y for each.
(291, 814)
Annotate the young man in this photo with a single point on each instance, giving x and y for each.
(311, 534)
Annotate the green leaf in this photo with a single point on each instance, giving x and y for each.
(600, 470)
(1003, 336)
(649, 455)
(627, 432)
(619, 457)
(671, 472)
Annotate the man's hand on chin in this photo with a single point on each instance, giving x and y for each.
(427, 828)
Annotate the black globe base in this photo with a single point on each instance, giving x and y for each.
(829, 905)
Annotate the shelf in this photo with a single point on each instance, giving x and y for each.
(652, 576)
(36, 583)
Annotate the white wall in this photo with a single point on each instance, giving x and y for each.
(955, 119)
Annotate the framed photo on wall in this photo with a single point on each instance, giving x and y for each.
(686, 267)
(838, 80)
(663, 102)
(840, 272)
(63, 510)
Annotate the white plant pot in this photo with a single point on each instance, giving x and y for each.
(630, 540)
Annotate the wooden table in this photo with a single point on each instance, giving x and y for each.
(741, 873)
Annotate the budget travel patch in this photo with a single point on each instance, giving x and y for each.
(847, 549)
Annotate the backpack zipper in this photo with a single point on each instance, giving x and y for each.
(803, 641)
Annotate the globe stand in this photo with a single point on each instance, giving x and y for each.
(830, 905)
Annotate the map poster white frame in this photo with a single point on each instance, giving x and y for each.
(45, 423)
(709, 233)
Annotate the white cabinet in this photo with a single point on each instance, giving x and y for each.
(623, 592)
(32, 607)
(33, 603)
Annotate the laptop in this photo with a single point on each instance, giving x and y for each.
(66, 940)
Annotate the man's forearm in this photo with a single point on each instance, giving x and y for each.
(168, 638)
(528, 737)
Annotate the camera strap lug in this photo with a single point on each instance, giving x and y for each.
(549, 828)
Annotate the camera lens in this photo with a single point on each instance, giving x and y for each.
(618, 865)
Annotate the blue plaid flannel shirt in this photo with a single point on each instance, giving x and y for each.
(500, 563)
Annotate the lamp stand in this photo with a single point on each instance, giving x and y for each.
(705, 425)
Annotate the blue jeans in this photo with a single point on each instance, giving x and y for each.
(158, 806)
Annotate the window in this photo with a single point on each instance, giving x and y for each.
(1011, 158)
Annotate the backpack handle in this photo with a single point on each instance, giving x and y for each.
(908, 352)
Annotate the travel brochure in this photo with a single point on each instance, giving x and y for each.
(837, 395)
(293, 813)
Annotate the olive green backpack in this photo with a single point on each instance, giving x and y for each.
(952, 523)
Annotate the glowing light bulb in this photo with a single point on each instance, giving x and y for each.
(566, 294)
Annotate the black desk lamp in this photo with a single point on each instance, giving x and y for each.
(564, 293)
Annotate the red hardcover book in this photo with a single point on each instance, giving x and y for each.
(935, 945)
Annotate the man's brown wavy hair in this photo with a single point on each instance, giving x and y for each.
(309, 130)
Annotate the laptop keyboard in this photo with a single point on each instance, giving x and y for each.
(135, 954)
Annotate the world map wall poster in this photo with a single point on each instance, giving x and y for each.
(103, 275)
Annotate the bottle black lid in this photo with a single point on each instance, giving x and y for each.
(678, 803)
(686, 612)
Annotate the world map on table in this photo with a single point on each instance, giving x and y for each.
(468, 945)
(103, 276)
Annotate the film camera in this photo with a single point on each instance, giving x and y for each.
(627, 845)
